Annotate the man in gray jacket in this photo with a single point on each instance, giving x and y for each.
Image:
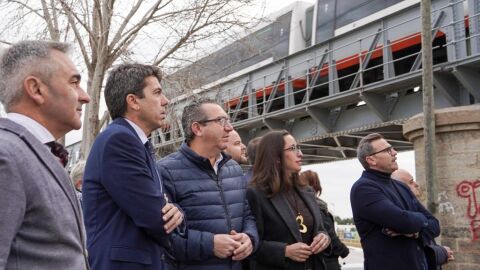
(41, 224)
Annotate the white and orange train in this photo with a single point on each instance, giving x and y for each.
(311, 51)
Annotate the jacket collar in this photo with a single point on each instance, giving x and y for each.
(280, 204)
(376, 175)
(122, 122)
(200, 161)
(50, 163)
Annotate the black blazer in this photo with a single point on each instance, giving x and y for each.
(277, 228)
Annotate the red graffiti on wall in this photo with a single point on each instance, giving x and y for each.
(469, 189)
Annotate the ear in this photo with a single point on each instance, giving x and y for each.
(132, 103)
(371, 160)
(35, 89)
(197, 129)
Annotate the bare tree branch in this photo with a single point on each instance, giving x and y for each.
(35, 11)
(105, 31)
(71, 20)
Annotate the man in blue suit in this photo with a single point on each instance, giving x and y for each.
(393, 225)
(127, 216)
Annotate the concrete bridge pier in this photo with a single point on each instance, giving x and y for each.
(458, 179)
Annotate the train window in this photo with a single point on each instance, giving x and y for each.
(348, 11)
(325, 20)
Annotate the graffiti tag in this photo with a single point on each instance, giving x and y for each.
(468, 189)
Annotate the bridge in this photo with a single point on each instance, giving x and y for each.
(367, 79)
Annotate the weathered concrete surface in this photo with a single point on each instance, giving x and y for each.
(458, 178)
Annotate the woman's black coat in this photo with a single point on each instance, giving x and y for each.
(278, 228)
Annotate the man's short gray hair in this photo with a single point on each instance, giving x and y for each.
(127, 79)
(31, 57)
(365, 148)
(193, 112)
(77, 171)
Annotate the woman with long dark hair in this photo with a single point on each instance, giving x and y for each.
(339, 249)
(289, 222)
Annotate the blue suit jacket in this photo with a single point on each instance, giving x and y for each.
(122, 201)
(379, 202)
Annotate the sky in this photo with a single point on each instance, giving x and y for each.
(338, 177)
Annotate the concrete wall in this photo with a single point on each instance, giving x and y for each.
(458, 179)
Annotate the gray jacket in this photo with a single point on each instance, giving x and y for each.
(41, 225)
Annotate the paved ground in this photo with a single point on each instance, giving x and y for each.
(354, 260)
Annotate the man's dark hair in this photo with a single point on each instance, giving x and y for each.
(365, 148)
(124, 80)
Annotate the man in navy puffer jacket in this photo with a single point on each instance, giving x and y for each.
(208, 185)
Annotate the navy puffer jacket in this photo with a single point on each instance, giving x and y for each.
(212, 203)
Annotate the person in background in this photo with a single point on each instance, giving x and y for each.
(251, 154)
(339, 249)
(236, 149)
(208, 185)
(436, 255)
(393, 225)
(127, 214)
(76, 175)
(289, 223)
(41, 225)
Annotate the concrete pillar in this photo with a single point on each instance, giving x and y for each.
(458, 179)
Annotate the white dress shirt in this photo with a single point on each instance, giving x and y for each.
(138, 130)
(39, 131)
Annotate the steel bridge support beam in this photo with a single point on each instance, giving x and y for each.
(326, 118)
(312, 82)
(388, 66)
(456, 33)
(273, 124)
(435, 28)
(382, 105)
(364, 62)
(474, 22)
(288, 86)
(333, 85)
(252, 99)
(271, 97)
(337, 141)
(448, 86)
(240, 101)
(376, 103)
(470, 79)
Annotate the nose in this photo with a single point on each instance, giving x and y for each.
(300, 153)
(83, 97)
(165, 101)
(228, 126)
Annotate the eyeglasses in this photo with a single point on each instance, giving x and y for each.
(294, 148)
(221, 120)
(389, 150)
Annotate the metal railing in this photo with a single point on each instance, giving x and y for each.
(336, 69)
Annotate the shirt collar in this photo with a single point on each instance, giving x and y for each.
(138, 130)
(219, 159)
(37, 130)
